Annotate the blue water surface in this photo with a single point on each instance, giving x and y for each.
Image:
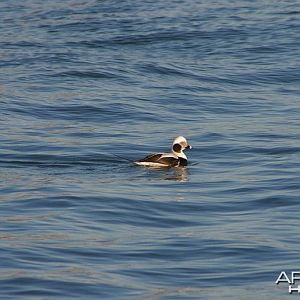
(85, 82)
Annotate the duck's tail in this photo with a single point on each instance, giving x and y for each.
(124, 158)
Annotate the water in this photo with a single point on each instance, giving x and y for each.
(81, 81)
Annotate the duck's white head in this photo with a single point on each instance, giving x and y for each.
(179, 145)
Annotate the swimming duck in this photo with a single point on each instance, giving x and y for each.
(175, 158)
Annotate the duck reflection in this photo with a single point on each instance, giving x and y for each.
(175, 174)
(178, 174)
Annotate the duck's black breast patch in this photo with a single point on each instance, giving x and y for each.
(177, 148)
(183, 161)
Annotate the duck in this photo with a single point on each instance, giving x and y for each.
(176, 158)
